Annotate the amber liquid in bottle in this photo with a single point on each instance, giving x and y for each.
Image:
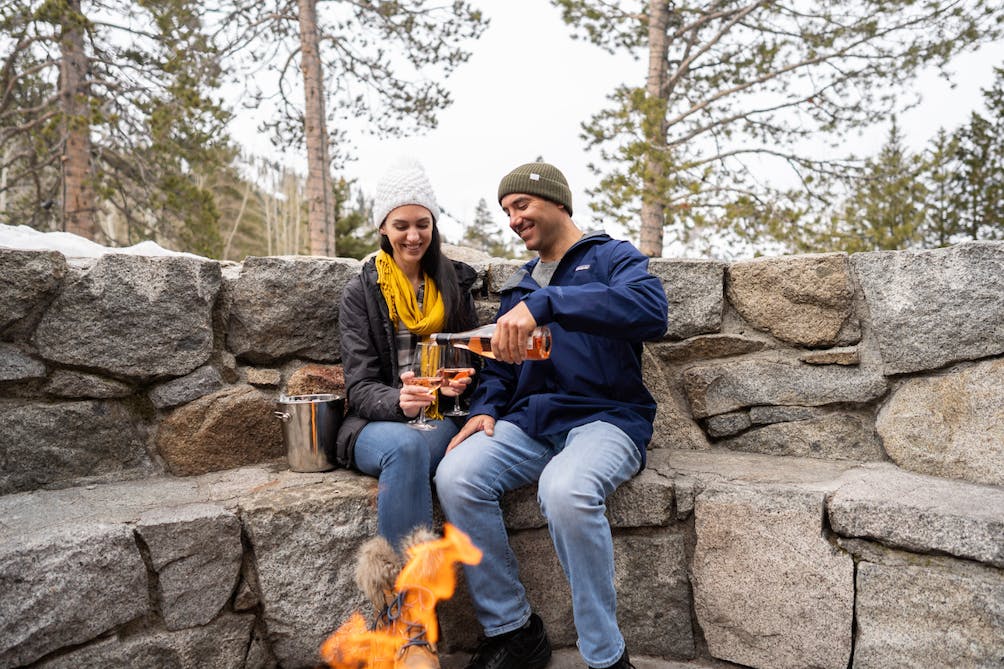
(538, 346)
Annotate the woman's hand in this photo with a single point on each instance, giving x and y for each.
(413, 398)
(457, 385)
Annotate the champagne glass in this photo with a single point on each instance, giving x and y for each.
(425, 366)
(456, 365)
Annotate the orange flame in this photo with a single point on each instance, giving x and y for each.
(427, 578)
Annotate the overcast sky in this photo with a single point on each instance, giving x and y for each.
(528, 87)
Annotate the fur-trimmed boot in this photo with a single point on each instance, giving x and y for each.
(376, 572)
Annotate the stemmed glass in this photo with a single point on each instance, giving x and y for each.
(456, 365)
(425, 366)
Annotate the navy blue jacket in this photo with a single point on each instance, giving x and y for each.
(601, 304)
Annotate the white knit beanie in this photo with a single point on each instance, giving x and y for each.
(404, 183)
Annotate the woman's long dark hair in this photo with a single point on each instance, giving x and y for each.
(440, 268)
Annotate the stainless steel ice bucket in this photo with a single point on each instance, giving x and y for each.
(309, 426)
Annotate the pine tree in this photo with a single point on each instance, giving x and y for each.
(357, 237)
(886, 208)
(485, 234)
(107, 105)
(941, 219)
(978, 182)
(354, 62)
(731, 86)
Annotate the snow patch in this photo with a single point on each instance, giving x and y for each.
(74, 246)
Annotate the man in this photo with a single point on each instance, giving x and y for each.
(577, 423)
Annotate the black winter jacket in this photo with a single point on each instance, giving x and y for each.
(369, 358)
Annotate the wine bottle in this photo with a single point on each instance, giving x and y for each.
(479, 340)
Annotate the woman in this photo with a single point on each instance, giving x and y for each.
(407, 292)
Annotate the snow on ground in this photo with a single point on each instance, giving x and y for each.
(74, 246)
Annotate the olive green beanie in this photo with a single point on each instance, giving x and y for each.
(540, 179)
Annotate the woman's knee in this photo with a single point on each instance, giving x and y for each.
(411, 450)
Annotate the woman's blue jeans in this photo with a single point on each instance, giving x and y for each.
(575, 472)
(403, 460)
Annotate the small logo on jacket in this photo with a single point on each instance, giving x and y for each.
(582, 267)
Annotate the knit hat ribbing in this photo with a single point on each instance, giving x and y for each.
(404, 183)
(540, 179)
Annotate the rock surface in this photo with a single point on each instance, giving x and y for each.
(950, 426)
(132, 316)
(921, 513)
(287, 307)
(694, 291)
(915, 616)
(66, 586)
(266, 377)
(16, 366)
(55, 444)
(715, 388)
(316, 380)
(70, 384)
(726, 424)
(195, 551)
(769, 590)
(847, 355)
(190, 387)
(835, 436)
(299, 536)
(28, 280)
(673, 426)
(706, 347)
(222, 644)
(230, 428)
(804, 300)
(932, 308)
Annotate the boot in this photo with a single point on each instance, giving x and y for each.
(623, 663)
(376, 572)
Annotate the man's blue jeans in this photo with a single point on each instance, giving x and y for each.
(404, 460)
(576, 473)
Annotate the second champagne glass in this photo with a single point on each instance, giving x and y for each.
(425, 365)
(456, 365)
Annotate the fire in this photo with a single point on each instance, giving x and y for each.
(425, 579)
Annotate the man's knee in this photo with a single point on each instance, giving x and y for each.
(450, 477)
(563, 497)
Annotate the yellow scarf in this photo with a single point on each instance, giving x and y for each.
(402, 301)
(403, 306)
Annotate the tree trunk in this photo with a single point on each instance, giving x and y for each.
(653, 216)
(319, 219)
(78, 191)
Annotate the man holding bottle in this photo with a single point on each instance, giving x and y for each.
(576, 423)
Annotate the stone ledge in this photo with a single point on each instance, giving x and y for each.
(300, 532)
(78, 563)
(921, 513)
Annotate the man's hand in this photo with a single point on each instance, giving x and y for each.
(512, 329)
(473, 424)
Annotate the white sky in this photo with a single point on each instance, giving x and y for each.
(527, 89)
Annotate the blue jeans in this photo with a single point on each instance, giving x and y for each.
(575, 473)
(403, 460)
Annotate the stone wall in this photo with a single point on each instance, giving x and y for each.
(825, 487)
